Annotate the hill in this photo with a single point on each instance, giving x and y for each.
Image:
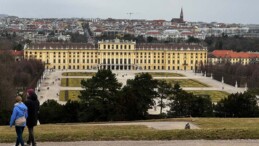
(3, 15)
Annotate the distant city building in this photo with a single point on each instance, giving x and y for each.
(118, 55)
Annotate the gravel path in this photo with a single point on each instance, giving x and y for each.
(157, 125)
(153, 143)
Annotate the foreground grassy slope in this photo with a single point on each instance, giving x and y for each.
(211, 128)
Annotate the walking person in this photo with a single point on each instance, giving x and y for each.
(18, 119)
(33, 105)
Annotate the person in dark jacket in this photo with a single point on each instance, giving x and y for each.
(33, 105)
(18, 119)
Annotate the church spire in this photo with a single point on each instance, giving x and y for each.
(181, 15)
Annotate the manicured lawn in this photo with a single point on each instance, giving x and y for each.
(72, 95)
(227, 123)
(212, 128)
(186, 82)
(161, 74)
(71, 82)
(78, 74)
(76, 82)
(214, 95)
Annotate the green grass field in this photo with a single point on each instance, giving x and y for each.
(215, 95)
(78, 74)
(161, 74)
(72, 82)
(186, 82)
(211, 129)
(72, 95)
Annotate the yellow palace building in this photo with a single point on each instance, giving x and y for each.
(118, 55)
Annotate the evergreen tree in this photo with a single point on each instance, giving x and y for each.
(100, 94)
(165, 90)
(138, 96)
(238, 105)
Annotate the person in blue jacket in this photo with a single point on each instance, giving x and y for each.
(18, 119)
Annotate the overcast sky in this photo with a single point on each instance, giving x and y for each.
(228, 11)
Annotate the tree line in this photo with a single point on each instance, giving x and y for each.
(104, 99)
(15, 77)
(232, 74)
(236, 43)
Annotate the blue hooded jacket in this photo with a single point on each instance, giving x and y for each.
(20, 109)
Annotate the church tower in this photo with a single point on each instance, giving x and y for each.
(178, 20)
(181, 15)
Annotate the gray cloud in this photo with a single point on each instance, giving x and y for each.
(229, 11)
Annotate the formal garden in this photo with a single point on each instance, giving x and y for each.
(163, 74)
(71, 82)
(214, 94)
(186, 82)
(78, 74)
(66, 95)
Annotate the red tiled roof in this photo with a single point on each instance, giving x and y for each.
(187, 33)
(153, 33)
(98, 30)
(17, 53)
(12, 52)
(232, 54)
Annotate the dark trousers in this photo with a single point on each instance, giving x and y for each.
(31, 136)
(19, 131)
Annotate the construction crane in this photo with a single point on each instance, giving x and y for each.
(130, 13)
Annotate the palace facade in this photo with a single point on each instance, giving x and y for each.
(118, 55)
